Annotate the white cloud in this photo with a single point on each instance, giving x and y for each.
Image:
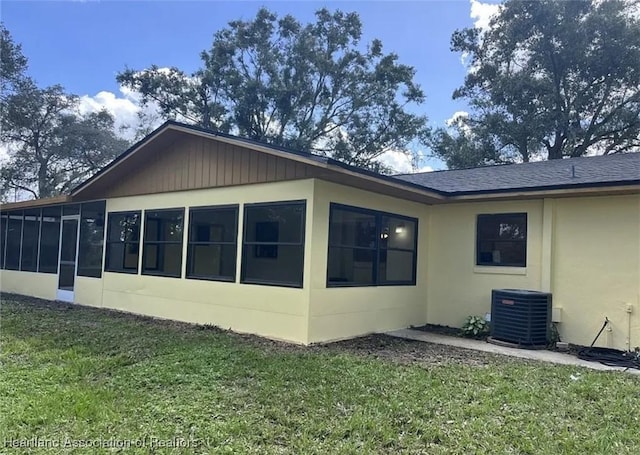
(398, 161)
(124, 108)
(456, 118)
(401, 163)
(481, 13)
(425, 169)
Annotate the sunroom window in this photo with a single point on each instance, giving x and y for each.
(273, 245)
(162, 253)
(370, 248)
(123, 242)
(213, 234)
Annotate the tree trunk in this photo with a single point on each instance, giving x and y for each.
(43, 184)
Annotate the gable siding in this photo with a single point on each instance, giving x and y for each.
(197, 163)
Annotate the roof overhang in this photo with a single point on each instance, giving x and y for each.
(35, 203)
(600, 189)
(328, 168)
(324, 168)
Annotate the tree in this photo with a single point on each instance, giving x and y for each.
(13, 64)
(549, 79)
(304, 86)
(51, 146)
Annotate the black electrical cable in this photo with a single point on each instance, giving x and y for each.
(608, 356)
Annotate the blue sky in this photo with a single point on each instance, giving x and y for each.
(82, 45)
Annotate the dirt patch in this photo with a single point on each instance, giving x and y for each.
(439, 329)
(403, 351)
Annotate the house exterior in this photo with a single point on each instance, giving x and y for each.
(208, 228)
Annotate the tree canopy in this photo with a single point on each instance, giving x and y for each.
(306, 86)
(51, 147)
(548, 79)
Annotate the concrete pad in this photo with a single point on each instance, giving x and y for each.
(479, 345)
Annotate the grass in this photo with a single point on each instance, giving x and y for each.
(89, 377)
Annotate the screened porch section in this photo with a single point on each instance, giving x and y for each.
(66, 240)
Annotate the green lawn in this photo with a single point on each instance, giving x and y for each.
(76, 375)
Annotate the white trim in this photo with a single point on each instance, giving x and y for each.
(499, 270)
(39, 240)
(21, 240)
(65, 296)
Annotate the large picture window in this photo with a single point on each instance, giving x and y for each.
(273, 244)
(49, 240)
(162, 254)
(14, 239)
(91, 239)
(370, 248)
(502, 239)
(123, 242)
(30, 239)
(213, 234)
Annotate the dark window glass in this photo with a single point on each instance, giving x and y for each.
(273, 247)
(49, 240)
(368, 248)
(213, 234)
(91, 239)
(71, 209)
(397, 250)
(30, 236)
(502, 240)
(68, 254)
(123, 242)
(163, 242)
(3, 237)
(353, 247)
(14, 238)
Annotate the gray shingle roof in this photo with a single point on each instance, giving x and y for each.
(585, 171)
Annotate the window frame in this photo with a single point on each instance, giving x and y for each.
(246, 246)
(58, 216)
(145, 243)
(33, 268)
(108, 242)
(3, 251)
(19, 253)
(378, 215)
(491, 216)
(191, 276)
(81, 269)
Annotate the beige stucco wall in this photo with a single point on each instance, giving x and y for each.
(336, 313)
(596, 269)
(271, 311)
(585, 250)
(457, 287)
(41, 285)
(88, 291)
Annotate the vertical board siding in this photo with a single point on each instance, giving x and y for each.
(200, 163)
(206, 162)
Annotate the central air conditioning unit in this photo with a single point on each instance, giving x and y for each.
(520, 317)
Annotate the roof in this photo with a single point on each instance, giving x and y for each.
(252, 144)
(609, 170)
(503, 181)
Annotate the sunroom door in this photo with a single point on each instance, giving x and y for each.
(68, 257)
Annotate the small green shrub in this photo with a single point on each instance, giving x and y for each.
(554, 336)
(475, 327)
